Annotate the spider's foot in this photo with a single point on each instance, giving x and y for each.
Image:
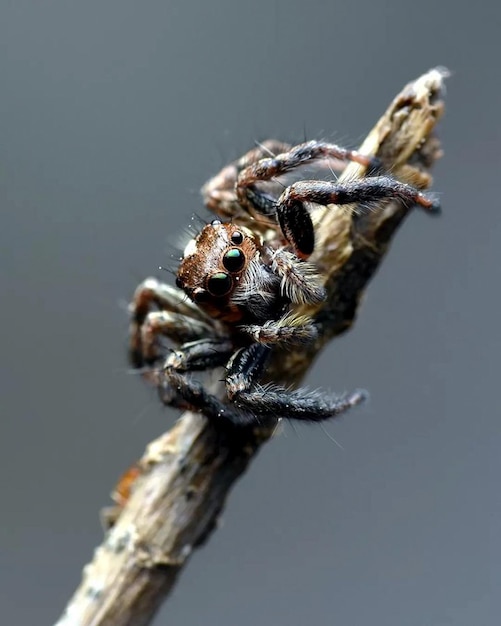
(430, 203)
(357, 397)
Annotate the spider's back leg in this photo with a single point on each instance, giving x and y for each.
(259, 201)
(219, 194)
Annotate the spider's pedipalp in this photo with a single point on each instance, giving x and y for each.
(300, 281)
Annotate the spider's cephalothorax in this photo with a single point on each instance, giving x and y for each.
(234, 277)
(244, 279)
(224, 271)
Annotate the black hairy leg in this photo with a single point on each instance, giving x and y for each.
(200, 355)
(294, 217)
(258, 202)
(250, 403)
(177, 390)
(265, 402)
(298, 404)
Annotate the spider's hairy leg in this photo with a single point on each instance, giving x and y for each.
(152, 292)
(153, 295)
(294, 217)
(200, 355)
(289, 330)
(178, 390)
(263, 150)
(256, 200)
(298, 404)
(276, 402)
(299, 279)
(183, 393)
(178, 328)
(218, 193)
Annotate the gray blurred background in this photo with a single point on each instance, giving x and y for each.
(112, 115)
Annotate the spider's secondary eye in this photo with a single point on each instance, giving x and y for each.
(234, 260)
(237, 238)
(215, 222)
(179, 283)
(219, 284)
(200, 296)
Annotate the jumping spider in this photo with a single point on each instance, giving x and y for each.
(243, 278)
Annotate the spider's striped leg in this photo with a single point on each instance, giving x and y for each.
(158, 310)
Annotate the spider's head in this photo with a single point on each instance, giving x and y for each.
(213, 265)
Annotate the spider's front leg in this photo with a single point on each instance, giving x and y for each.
(158, 310)
(294, 217)
(269, 402)
(250, 403)
(177, 328)
(178, 389)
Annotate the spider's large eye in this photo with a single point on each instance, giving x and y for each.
(234, 260)
(219, 284)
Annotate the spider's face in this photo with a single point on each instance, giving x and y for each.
(216, 265)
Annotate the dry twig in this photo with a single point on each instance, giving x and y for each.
(184, 476)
